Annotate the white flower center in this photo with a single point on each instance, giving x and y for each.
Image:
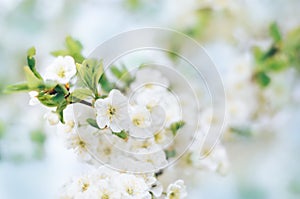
(111, 111)
(61, 72)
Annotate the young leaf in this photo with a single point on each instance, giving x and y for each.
(89, 73)
(2, 129)
(49, 100)
(38, 136)
(271, 52)
(97, 71)
(170, 153)
(116, 71)
(291, 47)
(243, 131)
(275, 33)
(258, 54)
(262, 79)
(122, 74)
(93, 123)
(60, 110)
(73, 45)
(58, 98)
(31, 52)
(31, 62)
(73, 48)
(105, 84)
(123, 134)
(59, 88)
(277, 63)
(174, 127)
(54, 96)
(21, 87)
(80, 94)
(33, 81)
(60, 53)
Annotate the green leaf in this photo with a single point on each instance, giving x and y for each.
(258, 54)
(59, 88)
(262, 79)
(170, 153)
(277, 63)
(80, 94)
(58, 98)
(270, 53)
(106, 85)
(291, 47)
(97, 71)
(31, 52)
(118, 73)
(174, 127)
(48, 100)
(122, 74)
(133, 4)
(33, 81)
(275, 32)
(123, 134)
(241, 130)
(60, 110)
(31, 62)
(89, 73)
(53, 97)
(60, 53)
(20, 87)
(2, 129)
(93, 123)
(73, 49)
(73, 45)
(38, 136)
(204, 17)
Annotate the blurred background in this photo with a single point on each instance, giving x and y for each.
(34, 163)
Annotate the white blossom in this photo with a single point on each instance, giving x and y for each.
(113, 111)
(133, 187)
(105, 183)
(52, 117)
(213, 160)
(177, 190)
(150, 79)
(140, 122)
(82, 144)
(61, 70)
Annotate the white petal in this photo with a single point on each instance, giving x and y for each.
(117, 98)
(102, 121)
(101, 105)
(115, 127)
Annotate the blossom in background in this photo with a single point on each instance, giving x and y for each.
(107, 183)
(106, 152)
(177, 190)
(112, 111)
(150, 79)
(76, 115)
(133, 187)
(140, 121)
(52, 118)
(61, 70)
(82, 144)
(215, 160)
(106, 190)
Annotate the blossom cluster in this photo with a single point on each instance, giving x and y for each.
(129, 124)
(107, 183)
